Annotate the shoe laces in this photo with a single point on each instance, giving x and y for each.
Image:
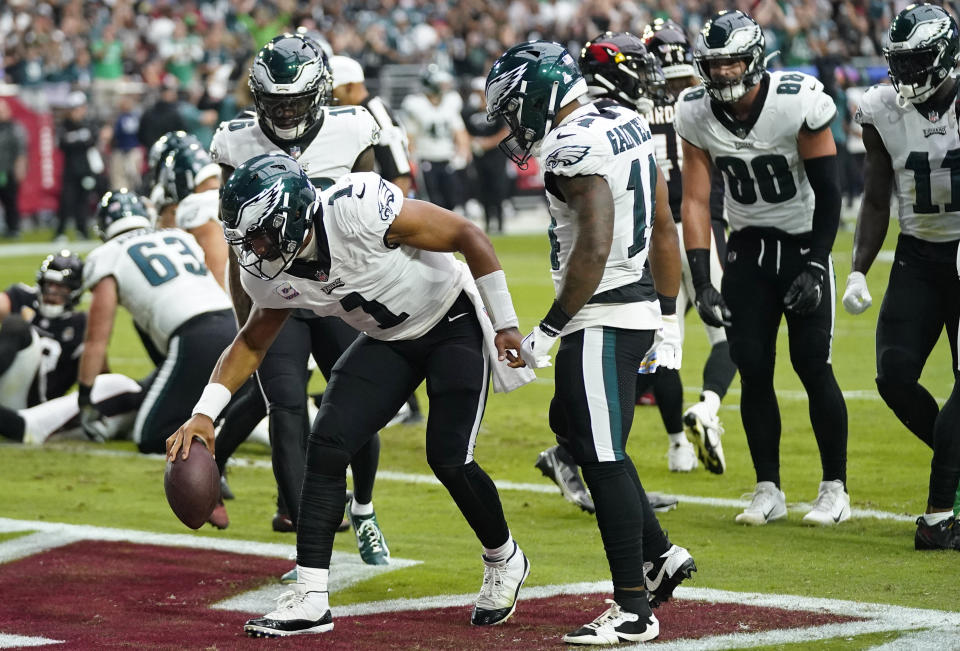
(369, 533)
(826, 500)
(609, 616)
(758, 496)
(290, 599)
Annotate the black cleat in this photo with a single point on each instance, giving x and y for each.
(567, 477)
(664, 574)
(943, 535)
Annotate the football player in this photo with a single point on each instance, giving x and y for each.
(41, 341)
(768, 135)
(910, 134)
(361, 251)
(438, 136)
(159, 276)
(291, 84)
(608, 212)
(189, 183)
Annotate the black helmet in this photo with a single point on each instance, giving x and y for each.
(667, 41)
(159, 151)
(435, 79)
(267, 207)
(120, 211)
(619, 66)
(65, 268)
(922, 49)
(290, 80)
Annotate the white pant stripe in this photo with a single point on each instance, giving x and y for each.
(595, 389)
(481, 405)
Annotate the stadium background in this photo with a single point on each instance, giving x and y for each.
(868, 560)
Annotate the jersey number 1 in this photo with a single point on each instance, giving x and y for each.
(919, 163)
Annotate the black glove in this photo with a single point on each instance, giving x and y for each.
(806, 290)
(712, 308)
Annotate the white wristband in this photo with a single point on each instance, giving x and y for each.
(213, 400)
(496, 298)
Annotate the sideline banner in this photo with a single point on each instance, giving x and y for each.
(40, 189)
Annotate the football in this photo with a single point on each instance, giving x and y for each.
(192, 485)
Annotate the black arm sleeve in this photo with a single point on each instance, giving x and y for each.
(822, 173)
(699, 260)
(716, 194)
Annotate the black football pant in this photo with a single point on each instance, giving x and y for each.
(922, 299)
(591, 414)
(761, 265)
(369, 384)
(283, 377)
(9, 196)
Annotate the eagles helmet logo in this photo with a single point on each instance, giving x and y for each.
(499, 88)
(566, 155)
(254, 210)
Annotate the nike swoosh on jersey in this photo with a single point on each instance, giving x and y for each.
(804, 251)
(565, 135)
(362, 192)
(454, 318)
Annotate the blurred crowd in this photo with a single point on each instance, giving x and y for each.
(142, 68)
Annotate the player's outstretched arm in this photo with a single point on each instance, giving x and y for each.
(423, 225)
(873, 220)
(695, 214)
(237, 363)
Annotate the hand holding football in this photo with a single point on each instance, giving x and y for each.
(192, 485)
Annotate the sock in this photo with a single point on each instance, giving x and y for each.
(936, 518)
(12, 424)
(632, 601)
(712, 400)
(501, 553)
(314, 578)
(46, 418)
(677, 438)
(361, 509)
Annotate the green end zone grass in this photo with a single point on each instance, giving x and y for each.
(866, 559)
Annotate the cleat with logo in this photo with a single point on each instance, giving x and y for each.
(943, 535)
(663, 575)
(501, 587)
(298, 612)
(832, 505)
(704, 430)
(614, 626)
(681, 457)
(767, 503)
(370, 541)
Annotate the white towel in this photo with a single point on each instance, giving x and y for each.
(505, 379)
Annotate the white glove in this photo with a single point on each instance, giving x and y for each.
(857, 297)
(667, 349)
(535, 348)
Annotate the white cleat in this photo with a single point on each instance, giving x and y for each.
(614, 626)
(501, 587)
(832, 505)
(767, 504)
(682, 457)
(298, 613)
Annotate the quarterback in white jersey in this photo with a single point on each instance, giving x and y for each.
(386, 266)
(180, 311)
(768, 135)
(913, 149)
(608, 211)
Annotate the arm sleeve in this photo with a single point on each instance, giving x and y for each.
(197, 209)
(579, 155)
(97, 266)
(822, 173)
(686, 107)
(819, 109)
(362, 206)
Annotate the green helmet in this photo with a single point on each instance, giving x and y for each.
(290, 80)
(267, 208)
(159, 151)
(527, 85)
(120, 211)
(182, 171)
(922, 50)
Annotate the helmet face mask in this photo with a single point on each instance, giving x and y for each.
(619, 66)
(922, 50)
(290, 80)
(267, 208)
(527, 86)
(60, 281)
(729, 39)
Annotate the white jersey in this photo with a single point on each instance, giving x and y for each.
(161, 279)
(348, 271)
(433, 125)
(614, 142)
(345, 133)
(925, 157)
(766, 184)
(197, 209)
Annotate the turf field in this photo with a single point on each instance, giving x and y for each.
(792, 569)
